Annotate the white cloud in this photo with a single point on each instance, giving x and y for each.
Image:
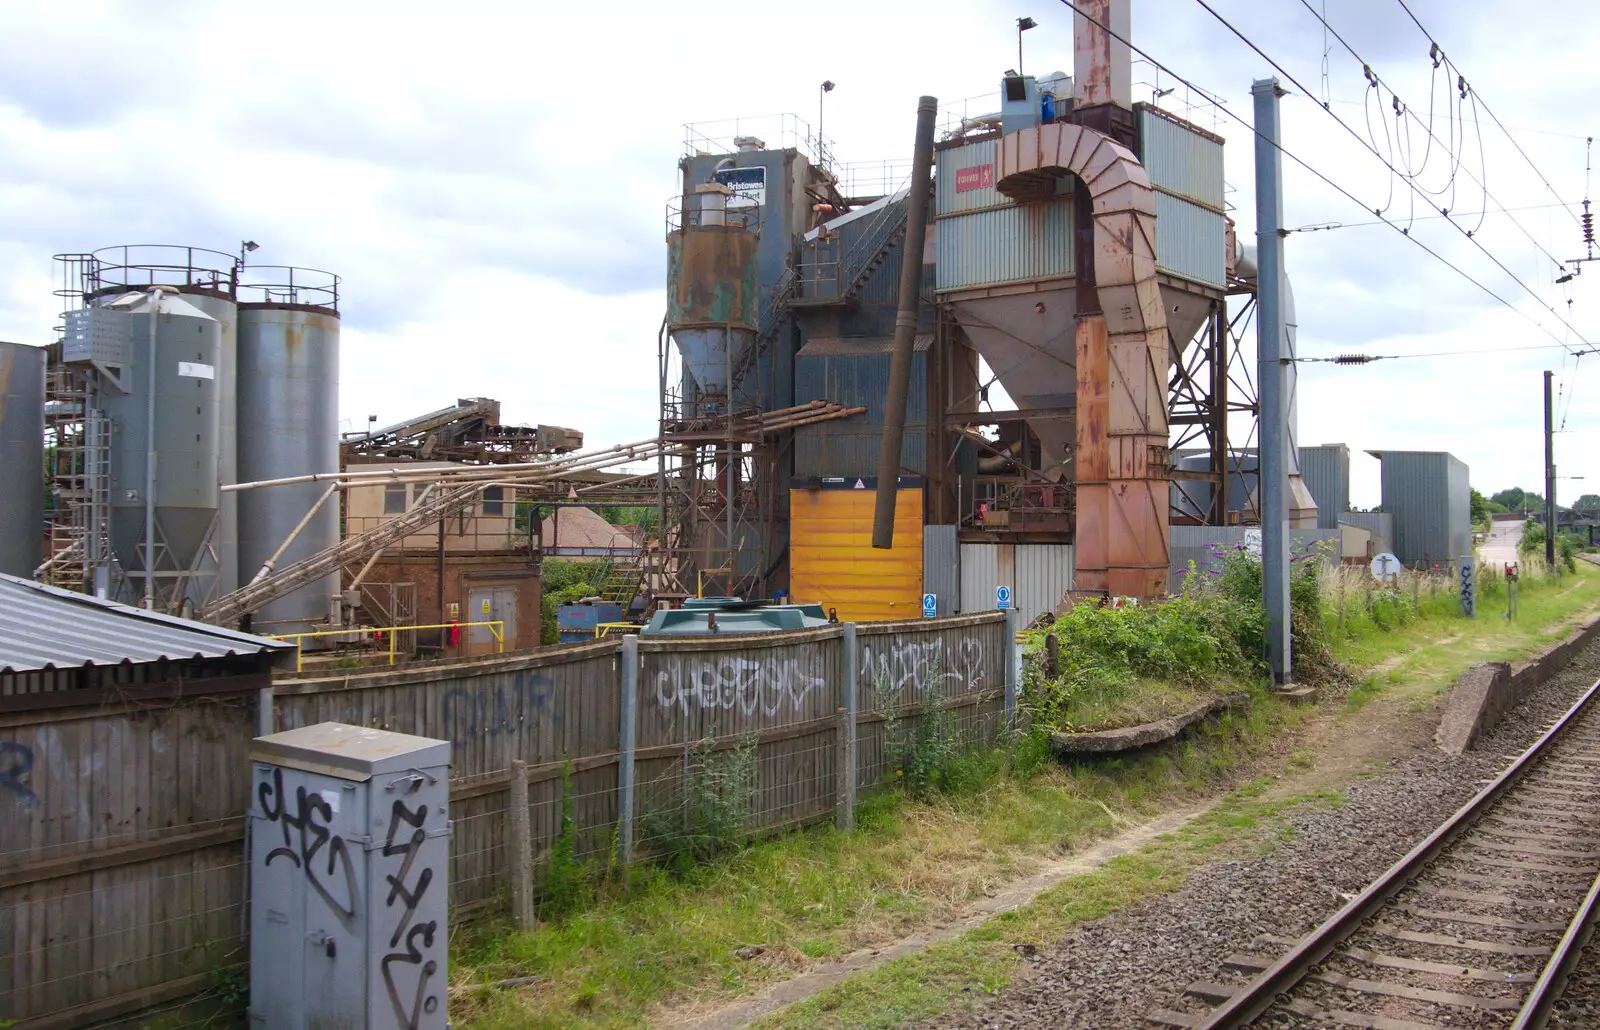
(490, 179)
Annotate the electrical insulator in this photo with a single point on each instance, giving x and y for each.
(1588, 228)
(1352, 359)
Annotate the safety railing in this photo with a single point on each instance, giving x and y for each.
(496, 627)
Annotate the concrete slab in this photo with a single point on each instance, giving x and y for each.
(1131, 737)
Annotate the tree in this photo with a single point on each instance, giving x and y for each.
(1518, 499)
(1480, 507)
(1588, 502)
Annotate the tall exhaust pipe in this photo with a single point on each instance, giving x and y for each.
(905, 325)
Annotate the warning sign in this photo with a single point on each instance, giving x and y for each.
(977, 177)
(486, 606)
(861, 484)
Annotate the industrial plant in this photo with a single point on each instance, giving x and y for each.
(835, 341)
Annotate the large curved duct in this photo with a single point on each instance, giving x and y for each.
(1122, 356)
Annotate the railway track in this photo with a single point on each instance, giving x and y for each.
(1478, 926)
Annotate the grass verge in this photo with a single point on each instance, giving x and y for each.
(948, 975)
(661, 944)
(660, 941)
(1419, 656)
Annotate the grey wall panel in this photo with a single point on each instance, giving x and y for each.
(22, 458)
(1427, 494)
(1191, 241)
(941, 567)
(1044, 575)
(979, 574)
(1007, 244)
(1181, 160)
(1326, 471)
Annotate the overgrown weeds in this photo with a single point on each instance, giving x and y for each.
(709, 812)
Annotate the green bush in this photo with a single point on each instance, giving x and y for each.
(708, 815)
(562, 582)
(925, 746)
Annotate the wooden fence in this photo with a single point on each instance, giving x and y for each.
(122, 828)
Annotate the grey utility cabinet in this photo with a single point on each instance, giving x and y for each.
(348, 849)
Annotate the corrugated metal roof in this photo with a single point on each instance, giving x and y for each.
(43, 627)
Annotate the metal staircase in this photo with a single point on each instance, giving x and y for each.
(838, 280)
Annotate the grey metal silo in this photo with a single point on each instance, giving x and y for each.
(225, 541)
(22, 458)
(207, 280)
(288, 411)
(185, 435)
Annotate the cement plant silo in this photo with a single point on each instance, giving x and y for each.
(21, 458)
(207, 280)
(713, 290)
(288, 387)
(168, 404)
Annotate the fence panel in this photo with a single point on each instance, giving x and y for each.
(557, 711)
(776, 693)
(121, 851)
(905, 667)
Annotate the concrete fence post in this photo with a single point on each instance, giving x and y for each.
(266, 718)
(1013, 653)
(627, 735)
(845, 814)
(520, 843)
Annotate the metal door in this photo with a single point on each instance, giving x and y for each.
(491, 604)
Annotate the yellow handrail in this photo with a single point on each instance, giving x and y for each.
(602, 628)
(496, 627)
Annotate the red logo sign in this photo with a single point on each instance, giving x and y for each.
(978, 177)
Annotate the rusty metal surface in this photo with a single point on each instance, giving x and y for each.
(1122, 357)
(712, 277)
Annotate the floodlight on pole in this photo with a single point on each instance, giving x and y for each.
(1023, 25)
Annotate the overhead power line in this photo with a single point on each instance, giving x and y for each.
(1439, 57)
(1493, 117)
(1372, 150)
(1308, 167)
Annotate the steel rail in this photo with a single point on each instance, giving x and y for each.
(1536, 1011)
(1278, 979)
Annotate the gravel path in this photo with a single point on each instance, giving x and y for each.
(1116, 972)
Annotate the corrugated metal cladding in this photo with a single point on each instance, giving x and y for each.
(1196, 544)
(856, 373)
(946, 201)
(941, 567)
(44, 627)
(1010, 244)
(1428, 495)
(841, 449)
(1180, 160)
(1039, 576)
(1379, 523)
(1191, 241)
(980, 572)
(833, 563)
(1326, 471)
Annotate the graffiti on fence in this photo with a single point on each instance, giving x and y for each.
(314, 836)
(489, 711)
(918, 664)
(766, 685)
(16, 762)
(406, 892)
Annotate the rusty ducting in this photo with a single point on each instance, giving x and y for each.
(905, 325)
(1122, 357)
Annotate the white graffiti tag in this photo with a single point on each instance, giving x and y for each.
(919, 664)
(748, 684)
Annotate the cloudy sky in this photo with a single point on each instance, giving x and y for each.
(491, 180)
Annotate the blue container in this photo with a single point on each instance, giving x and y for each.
(577, 622)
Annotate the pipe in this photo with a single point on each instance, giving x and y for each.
(905, 326)
(150, 459)
(272, 562)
